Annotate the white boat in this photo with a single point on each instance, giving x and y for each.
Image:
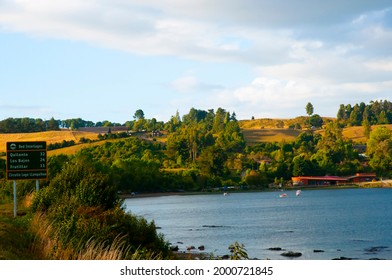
(298, 193)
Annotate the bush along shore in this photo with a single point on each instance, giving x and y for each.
(80, 216)
(32, 236)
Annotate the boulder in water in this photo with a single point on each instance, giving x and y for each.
(291, 254)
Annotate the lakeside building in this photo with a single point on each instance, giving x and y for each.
(332, 180)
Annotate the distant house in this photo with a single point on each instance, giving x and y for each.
(332, 180)
(360, 148)
(318, 180)
(362, 177)
(156, 133)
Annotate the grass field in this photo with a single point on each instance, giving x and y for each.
(264, 130)
(253, 136)
(255, 131)
(269, 123)
(50, 137)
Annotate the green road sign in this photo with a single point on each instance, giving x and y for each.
(27, 160)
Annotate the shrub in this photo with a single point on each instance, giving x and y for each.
(81, 207)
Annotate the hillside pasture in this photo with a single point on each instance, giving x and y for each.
(76, 148)
(356, 133)
(254, 136)
(50, 137)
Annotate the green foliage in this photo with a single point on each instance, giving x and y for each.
(238, 252)
(81, 204)
(63, 144)
(22, 125)
(137, 175)
(316, 121)
(255, 179)
(334, 154)
(309, 109)
(377, 112)
(379, 149)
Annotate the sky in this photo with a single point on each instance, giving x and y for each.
(104, 59)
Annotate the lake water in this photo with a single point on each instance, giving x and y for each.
(351, 223)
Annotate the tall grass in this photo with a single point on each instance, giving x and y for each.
(49, 245)
(79, 216)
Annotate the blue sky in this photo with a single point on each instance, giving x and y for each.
(103, 60)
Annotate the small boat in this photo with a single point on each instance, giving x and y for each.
(283, 195)
(225, 194)
(298, 193)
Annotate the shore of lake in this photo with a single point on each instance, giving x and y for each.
(377, 184)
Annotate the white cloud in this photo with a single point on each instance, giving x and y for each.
(190, 29)
(185, 84)
(383, 65)
(300, 50)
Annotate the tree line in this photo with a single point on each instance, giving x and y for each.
(206, 149)
(376, 112)
(26, 125)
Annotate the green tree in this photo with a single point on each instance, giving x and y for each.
(173, 123)
(220, 120)
(316, 121)
(53, 124)
(367, 129)
(341, 113)
(334, 152)
(309, 109)
(212, 161)
(139, 115)
(379, 149)
(355, 116)
(301, 166)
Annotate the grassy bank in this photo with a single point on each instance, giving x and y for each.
(33, 237)
(16, 240)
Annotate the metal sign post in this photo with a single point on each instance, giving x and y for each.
(15, 201)
(25, 161)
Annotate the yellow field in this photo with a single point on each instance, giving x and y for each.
(263, 123)
(356, 133)
(253, 136)
(252, 131)
(50, 137)
(264, 130)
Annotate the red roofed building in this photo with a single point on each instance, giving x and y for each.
(332, 180)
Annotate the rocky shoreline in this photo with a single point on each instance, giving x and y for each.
(194, 253)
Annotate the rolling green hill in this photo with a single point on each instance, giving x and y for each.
(255, 131)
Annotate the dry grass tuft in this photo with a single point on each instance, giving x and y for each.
(48, 245)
